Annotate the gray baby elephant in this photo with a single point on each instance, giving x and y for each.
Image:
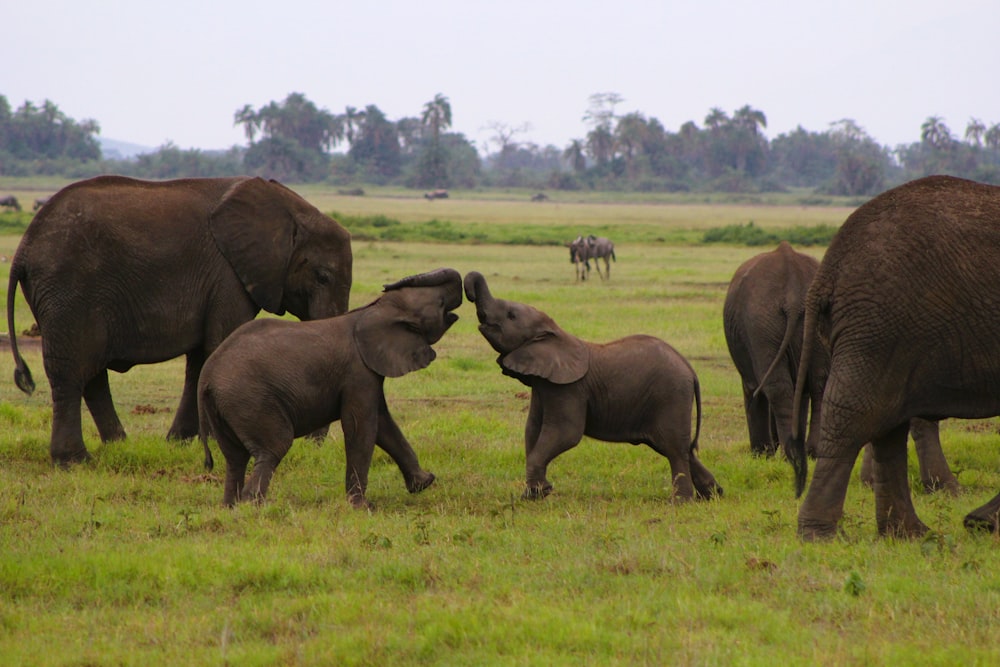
(637, 389)
(274, 380)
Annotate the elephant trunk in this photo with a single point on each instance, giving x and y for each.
(439, 277)
(476, 289)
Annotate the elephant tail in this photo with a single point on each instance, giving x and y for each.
(22, 374)
(795, 450)
(791, 323)
(697, 406)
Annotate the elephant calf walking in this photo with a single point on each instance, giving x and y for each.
(637, 390)
(274, 380)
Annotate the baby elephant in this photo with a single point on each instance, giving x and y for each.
(637, 390)
(274, 380)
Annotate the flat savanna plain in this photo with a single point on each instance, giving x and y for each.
(131, 559)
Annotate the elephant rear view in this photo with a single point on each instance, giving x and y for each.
(762, 318)
(119, 272)
(907, 295)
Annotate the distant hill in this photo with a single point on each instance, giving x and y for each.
(112, 149)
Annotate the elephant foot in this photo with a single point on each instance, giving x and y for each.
(420, 482)
(816, 531)
(975, 523)
(179, 436)
(709, 491)
(949, 486)
(361, 503)
(66, 460)
(903, 530)
(537, 491)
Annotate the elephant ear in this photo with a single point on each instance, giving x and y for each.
(391, 344)
(553, 355)
(255, 231)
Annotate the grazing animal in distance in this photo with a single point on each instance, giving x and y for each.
(10, 201)
(436, 194)
(578, 257)
(599, 247)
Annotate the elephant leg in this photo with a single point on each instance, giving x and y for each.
(537, 464)
(395, 444)
(97, 394)
(704, 481)
(894, 510)
(185, 424)
(985, 518)
(934, 471)
(236, 472)
(360, 428)
(758, 415)
(823, 506)
(264, 465)
(543, 442)
(779, 401)
(66, 446)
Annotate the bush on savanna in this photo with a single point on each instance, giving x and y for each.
(752, 235)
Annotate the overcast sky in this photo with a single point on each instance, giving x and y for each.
(150, 72)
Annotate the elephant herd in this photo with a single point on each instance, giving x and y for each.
(895, 329)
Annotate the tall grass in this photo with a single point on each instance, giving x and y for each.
(131, 559)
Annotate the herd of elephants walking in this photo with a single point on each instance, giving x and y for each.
(895, 329)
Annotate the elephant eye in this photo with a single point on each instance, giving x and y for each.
(322, 276)
(511, 315)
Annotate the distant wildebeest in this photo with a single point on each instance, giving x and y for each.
(599, 247)
(10, 201)
(541, 196)
(578, 257)
(436, 194)
(586, 248)
(40, 202)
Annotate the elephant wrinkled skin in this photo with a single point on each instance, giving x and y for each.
(907, 292)
(637, 390)
(274, 380)
(120, 272)
(763, 320)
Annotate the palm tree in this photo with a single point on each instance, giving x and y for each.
(716, 119)
(433, 165)
(935, 133)
(437, 115)
(747, 123)
(992, 136)
(749, 119)
(974, 132)
(248, 118)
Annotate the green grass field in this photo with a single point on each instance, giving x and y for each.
(131, 559)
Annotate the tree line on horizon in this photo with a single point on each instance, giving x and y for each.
(295, 141)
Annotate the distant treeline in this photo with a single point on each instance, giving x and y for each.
(296, 142)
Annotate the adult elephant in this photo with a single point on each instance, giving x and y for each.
(907, 296)
(120, 272)
(763, 322)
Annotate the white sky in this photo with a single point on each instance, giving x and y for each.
(150, 72)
